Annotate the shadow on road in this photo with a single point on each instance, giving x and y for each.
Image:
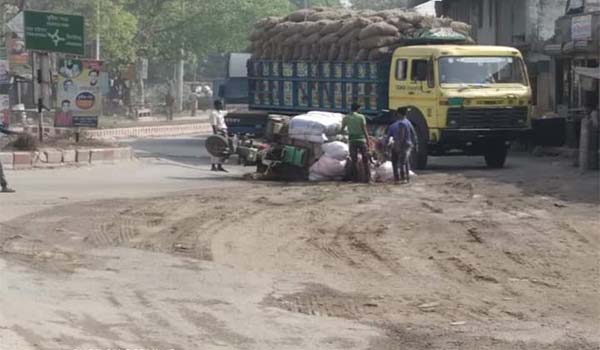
(547, 176)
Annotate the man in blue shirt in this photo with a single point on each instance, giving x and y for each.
(404, 135)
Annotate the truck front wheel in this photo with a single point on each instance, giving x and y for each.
(420, 153)
(495, 154)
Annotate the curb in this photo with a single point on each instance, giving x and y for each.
(139, 131)
(56, 157)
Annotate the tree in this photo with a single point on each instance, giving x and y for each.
(311, 3)
(169, 30)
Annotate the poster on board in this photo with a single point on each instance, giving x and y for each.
(79, 97)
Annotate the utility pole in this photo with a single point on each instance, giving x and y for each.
(41, 60)
(179, 70)
(97, 30)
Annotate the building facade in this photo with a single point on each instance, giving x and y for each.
(575, 47)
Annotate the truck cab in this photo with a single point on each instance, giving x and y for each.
(462, 99)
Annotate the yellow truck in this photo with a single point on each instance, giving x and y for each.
(462, 99)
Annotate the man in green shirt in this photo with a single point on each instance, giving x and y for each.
(358, 136)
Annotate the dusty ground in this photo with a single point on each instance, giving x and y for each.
(460, 259)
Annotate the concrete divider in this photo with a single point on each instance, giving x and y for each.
(140, 131)
(7, 160)
(82, 156)
(149, 131)
(22, 160)
(55, 157)
(69, 156)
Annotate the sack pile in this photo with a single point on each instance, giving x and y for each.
(325, 34)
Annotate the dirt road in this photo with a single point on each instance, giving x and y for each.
(460, 259)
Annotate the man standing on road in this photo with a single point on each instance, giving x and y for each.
(3, 183)
(194, 101)
(404, 136)
(170, 102)
(358, 137)
(217, 121)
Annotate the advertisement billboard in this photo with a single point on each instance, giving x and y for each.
(79, 96)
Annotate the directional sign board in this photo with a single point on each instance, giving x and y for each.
(53, 32)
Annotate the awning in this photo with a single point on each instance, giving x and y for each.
(593, 73)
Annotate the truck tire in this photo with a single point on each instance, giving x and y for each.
(419, 155)
(495, 154)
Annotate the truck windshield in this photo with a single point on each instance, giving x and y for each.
(481, 71)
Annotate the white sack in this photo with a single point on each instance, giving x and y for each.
(385, 172)
(315, 126)
(328, 167)
(336, 150)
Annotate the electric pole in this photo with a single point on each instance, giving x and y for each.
(179, 68)
(97, 30)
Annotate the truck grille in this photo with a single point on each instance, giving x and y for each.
(487, 118)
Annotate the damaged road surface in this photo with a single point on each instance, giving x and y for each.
(460, 259)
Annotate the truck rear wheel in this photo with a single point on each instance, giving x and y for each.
(495, 154)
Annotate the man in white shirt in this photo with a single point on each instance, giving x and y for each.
(217, 121)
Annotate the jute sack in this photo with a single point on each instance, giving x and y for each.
(343, 54)
(461, 28)
(329, 39)
(315, 52)
(377, 29)
(299, 16)
(331, 27)
(378, 53)
(317, 16)
(293, 40)
(362, 55)
(350, 36)
(347, 26)
(324, 52)
(309, 28)
(376, 19)
(267, 23)
(298, 52)
(334, 52)
(379, 41)
(306, 50)
(256, 35)
(311, 39)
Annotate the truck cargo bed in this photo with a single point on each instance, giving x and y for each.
(301, 86)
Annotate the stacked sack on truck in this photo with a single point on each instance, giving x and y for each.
(326, 34)
(331, 166)
(316, 127)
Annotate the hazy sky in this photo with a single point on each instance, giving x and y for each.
(426, 8)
